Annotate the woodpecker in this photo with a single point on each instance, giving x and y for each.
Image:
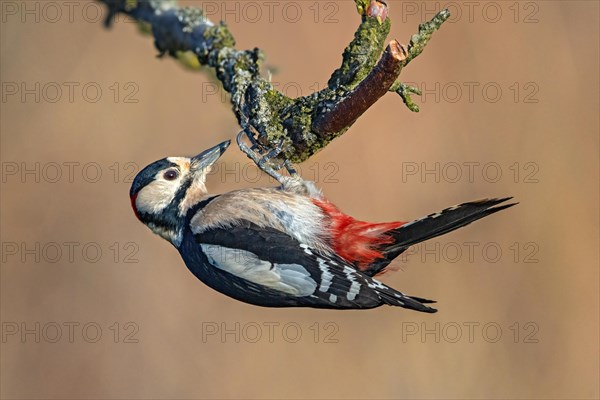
(284, 246)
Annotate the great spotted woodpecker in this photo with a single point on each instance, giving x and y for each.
(284, 246)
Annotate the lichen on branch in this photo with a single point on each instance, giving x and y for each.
(301, 126)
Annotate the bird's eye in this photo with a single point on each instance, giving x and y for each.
(171, 174)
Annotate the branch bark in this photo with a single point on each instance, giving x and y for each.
(368, 91)
(304, 125)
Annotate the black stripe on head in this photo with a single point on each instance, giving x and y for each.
(181, 193)
(169, 218)
(146, 175)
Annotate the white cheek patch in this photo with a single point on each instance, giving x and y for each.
(156, 196)
(292, 279)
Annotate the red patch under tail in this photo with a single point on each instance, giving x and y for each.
(356, 241)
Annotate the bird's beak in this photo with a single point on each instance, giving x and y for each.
(204, 160)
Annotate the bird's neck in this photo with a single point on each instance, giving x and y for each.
(170, 234)
(168, 224)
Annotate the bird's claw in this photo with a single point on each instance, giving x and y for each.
(265, 158)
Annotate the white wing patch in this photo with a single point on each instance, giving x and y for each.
(375, 284)
(326, 277)
(292, 279)
(306, 249)
(355, 286)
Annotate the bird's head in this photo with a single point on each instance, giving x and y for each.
(163, 192)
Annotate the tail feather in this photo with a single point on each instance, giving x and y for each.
(393, 297)
(435, 225)
(422, 300)
(444, 221)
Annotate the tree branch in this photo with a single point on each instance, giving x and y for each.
(301, 126)
(368, 91)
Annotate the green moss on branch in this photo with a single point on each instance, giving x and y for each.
(274, 117)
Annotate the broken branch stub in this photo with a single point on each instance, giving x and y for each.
(371, 89)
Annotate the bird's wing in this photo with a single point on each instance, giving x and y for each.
(273, 259)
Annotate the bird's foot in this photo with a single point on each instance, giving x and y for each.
(267, 159)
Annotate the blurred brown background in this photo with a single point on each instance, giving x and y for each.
(512, 90)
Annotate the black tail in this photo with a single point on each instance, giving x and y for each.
(392, 297)
(435, 225)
